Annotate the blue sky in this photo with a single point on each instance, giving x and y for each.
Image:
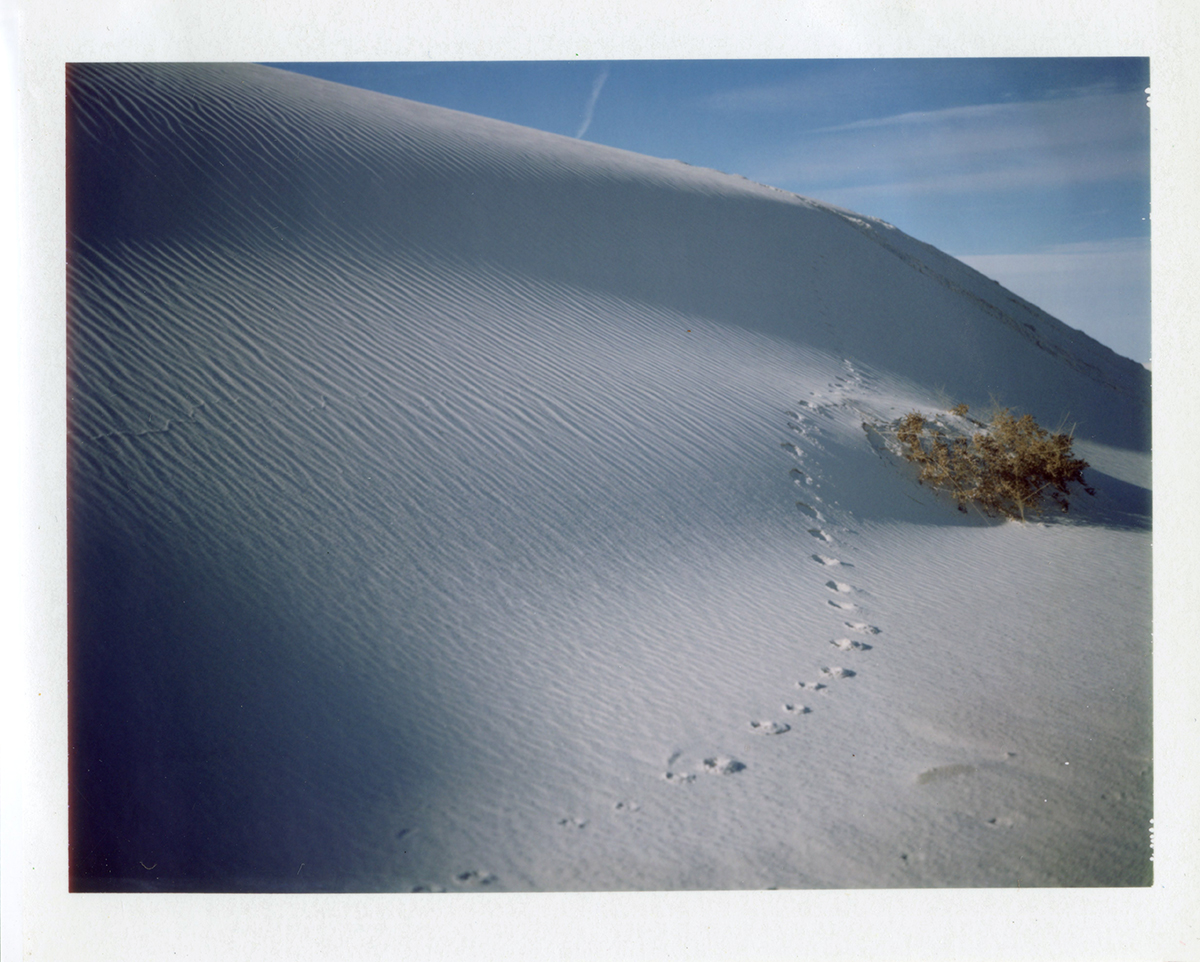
(1035, 171)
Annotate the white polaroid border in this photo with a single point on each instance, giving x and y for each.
(43, 920)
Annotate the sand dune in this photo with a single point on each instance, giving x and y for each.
(456, 506)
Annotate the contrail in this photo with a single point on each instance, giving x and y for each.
(591, 104)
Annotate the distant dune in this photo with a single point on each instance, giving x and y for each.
(455, 506)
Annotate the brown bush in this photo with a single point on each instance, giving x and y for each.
(1007, 469)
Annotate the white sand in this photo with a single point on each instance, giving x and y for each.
(553, 456)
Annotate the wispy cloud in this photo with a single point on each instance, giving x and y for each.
(1049, 173)
(850, 85)
(790, 96)
(824, 89)
(988, 147)
(1083, 118)
(1048, 256)
(597, 86)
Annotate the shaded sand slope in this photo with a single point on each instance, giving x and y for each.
(455, 505)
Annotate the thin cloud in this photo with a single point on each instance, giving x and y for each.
(597, 86)
(974, 113)
(1084, 118)
(1120, 245)
(1089, 170)
(824, 90)
(794, 95)
(847, 85)
(988, 147)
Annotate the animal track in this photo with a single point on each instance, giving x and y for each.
(810, 432)
(573, 822)
(678, 779)
(942, 772)
(627, 807)
(475, 878)
(770, 727)
(803, 418)
(723, 766)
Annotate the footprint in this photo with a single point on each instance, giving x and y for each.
(838, 673)
(770, 727)
(1002, 821)
(677, 779)
(475, 878)
(428, 888)
(799, 477)
(812, 686)
(723, 766)
(788, 446)
(573, 822)
(797, 709)
(862, 627)
(849, 644)
(843, 605)
(823, 559)
(624, 807)
(809, 510)
(820, 535)
(839, 586)
(942, 772)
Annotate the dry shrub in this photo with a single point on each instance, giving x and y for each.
(1008, 469)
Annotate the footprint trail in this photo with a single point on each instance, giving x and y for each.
(810, 422)
(812, 426)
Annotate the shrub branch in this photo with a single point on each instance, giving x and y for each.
(1008, 469)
